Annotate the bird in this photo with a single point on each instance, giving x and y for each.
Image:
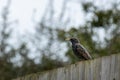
(79, 50)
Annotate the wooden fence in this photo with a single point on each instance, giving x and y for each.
(104, 68)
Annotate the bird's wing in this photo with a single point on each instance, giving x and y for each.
(81, 50)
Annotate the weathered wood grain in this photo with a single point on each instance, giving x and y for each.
(104, 68)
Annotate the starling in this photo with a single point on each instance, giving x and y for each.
(79, 50)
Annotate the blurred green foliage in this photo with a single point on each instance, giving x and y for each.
(108, 20)
(103, 19)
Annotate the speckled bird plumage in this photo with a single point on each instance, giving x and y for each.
(79, 50)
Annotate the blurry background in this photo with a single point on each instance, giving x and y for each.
(33, 32)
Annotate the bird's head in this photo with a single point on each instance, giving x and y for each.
(73, 40)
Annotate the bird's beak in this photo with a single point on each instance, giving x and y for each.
(67, 39)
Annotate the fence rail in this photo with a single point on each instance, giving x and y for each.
(104, 68)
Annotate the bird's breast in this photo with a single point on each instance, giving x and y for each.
(75, 50)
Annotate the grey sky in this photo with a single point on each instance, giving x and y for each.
(29, 12)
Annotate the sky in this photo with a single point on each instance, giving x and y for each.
(22, 11)
(27, 13)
